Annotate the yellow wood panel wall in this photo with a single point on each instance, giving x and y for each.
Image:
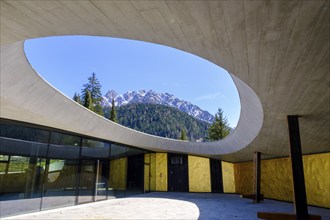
(199, 174)
(228, 177)
(276, 179)
(161, 172)
(118, 173)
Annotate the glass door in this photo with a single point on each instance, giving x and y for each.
(102, 176)
(87, 181)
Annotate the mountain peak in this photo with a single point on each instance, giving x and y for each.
(111, 94)
(142, 92)
(152, 97)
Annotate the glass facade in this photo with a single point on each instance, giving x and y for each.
(43, 168)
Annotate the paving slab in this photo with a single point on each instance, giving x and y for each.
(168, 205)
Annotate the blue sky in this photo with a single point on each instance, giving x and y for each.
(128, 65)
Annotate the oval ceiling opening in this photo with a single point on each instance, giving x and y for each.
(137, 75)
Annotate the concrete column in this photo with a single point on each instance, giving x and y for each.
(299, 189)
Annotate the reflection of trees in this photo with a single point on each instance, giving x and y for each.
(93, 143)
(64, 139)
(18, 164)
(34, 176)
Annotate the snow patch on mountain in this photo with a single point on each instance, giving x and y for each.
(152, 97)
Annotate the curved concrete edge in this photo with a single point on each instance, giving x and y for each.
(27, 97)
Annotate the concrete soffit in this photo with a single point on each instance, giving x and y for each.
(27, 97)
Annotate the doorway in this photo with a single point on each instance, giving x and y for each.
(216, 176)
(177, 172)
(93, 181)
(102, 177)
(87, 181)
(135, 173)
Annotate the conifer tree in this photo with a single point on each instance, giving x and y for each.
(219, 128)
(88, 103)
(183, 135)
(113, 113)
(77, 98)
(98, 109)
(94, 88)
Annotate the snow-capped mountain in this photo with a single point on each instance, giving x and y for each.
(153, 97)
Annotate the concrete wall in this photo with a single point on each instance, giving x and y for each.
(118, 173)
(276, 179)
(199, 174)
(228, 177)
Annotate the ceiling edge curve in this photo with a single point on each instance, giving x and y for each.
(27, 97)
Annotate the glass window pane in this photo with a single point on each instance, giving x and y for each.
(60, 187)
(64, 139)
(22, 185)
(118, 151)
(24, 148)
(118, 171)
(95, 149)
(24, 133)
(87, 181)
(102, 180)
(3, 168)
(134, 151)
(64, 146)
(4, 157)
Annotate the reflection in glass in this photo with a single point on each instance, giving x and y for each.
(60, 184)
(94, 171)
(102, 178)
(87, 181)
(64, 146)
(43, 169)
(24, 148)
(64, 139)
(126, 170)
(24, 133)
(118, 151)
(21, 184)
(95, 149)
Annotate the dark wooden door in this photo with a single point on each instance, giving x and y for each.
(177, 173)
(216, 176)
(135, 172)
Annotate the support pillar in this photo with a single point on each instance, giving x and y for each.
(300, 200)
(257, 169)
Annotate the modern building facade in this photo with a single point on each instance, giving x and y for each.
(59, 153)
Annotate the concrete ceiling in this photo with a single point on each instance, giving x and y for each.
(280, 49)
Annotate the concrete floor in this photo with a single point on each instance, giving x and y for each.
(171, 206)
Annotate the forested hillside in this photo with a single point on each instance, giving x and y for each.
(160, 120)
(154, 113)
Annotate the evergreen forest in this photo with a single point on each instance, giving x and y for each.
(154, 119)
(160, 120)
